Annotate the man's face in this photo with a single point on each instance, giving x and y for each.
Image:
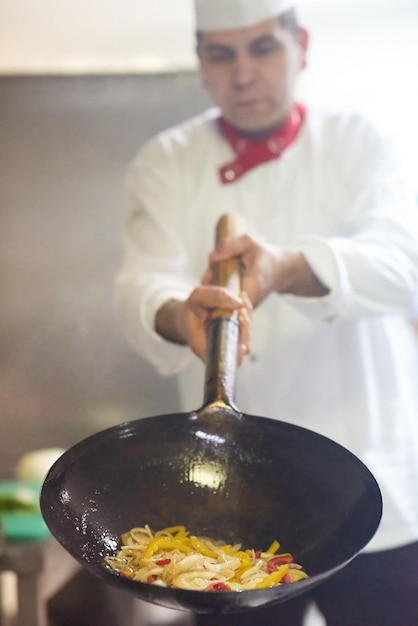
(251, 73)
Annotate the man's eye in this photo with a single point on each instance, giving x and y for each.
(219, 56)
(264, 48)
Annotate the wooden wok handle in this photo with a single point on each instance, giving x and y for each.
(223, 328)
(228, 273)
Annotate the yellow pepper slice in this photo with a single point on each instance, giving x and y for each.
(274, 578)
(244, 557)
(273, 548)
(200, 547)
(164, 543)
(297, 575)
(246, 563)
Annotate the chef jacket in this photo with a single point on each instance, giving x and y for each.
(344, 365)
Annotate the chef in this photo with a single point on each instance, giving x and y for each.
(330, 264)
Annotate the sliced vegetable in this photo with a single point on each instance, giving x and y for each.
(164, 543)
(274, 563)
(173, 558)
(218, 586)
(273, 548)
(274, 578)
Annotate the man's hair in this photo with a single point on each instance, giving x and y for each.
(290, 21)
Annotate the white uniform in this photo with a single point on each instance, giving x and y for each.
(345, 365)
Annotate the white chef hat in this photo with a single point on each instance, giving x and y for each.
(216, 15)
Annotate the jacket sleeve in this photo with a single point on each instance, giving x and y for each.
(156, 266)
(371, 265)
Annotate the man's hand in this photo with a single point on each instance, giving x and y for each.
(185, 322)
(265, 269)
(268, 268)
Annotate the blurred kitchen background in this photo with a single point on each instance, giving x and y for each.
(83, 84)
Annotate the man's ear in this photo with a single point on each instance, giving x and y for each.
(303, 41)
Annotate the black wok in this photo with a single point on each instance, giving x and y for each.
(221, 473)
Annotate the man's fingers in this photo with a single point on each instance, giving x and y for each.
(209, 297)
(230, 247)
(202, 301)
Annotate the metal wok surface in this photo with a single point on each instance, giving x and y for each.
(221, 473)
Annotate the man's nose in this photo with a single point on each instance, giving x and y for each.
(244, 71)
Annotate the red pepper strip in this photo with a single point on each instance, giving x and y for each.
(150, 580)
(287, 578)
(163, 562)
(220, 586)
(257, 554)
(273, 564)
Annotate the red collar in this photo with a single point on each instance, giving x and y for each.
(250, 153)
